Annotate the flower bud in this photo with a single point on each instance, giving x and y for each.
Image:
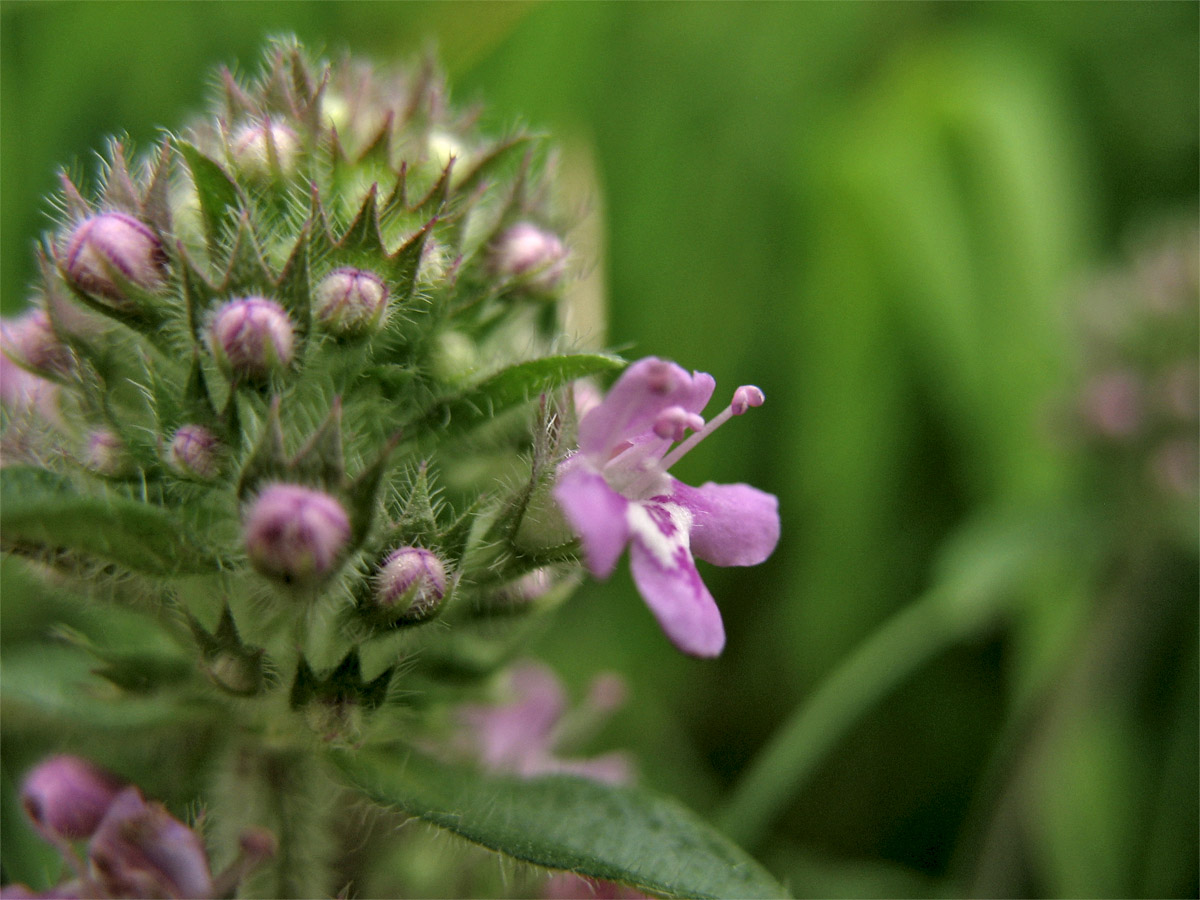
(114, 243)
(350, 301)
(296, 534)
(255, 144)
(412, 581)
(29, 339)
(68, 796)
(252, 337)
(535, 257)
(105, 454)
(1113, 405)
(196, 452)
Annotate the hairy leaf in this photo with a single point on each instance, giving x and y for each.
(601, 831)
(42, 512)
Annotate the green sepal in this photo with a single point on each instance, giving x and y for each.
(220, 199)
(294, 289)
(119, 191)
(362, 493)
(268, 461)
(245, 271)
(41, 512)
(491, 160)
(198, 295)
(435, 199)
(363, 234)
(156, 202)
(401, 267)
(343, 685)
(232, 665)
(615, 833)
(322, 461)
(197, 402)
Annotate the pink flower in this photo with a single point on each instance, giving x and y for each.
(68, 796)
(616, 491)
(522, 736)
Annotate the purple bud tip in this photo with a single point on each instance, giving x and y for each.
(255, 143)
(68, 796)
(114, 243)
(527, 252)
(350, 301)
(675, 421)
(413, 572)
(196, 452)
(252, 337)
(745, 397)
(296, 534)
(29, 339)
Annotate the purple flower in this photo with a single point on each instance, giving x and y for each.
(616, 491)
(139, 850)
(523, 735)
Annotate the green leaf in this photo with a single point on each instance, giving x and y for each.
(602, 831)
(518, 384)
(40, 510)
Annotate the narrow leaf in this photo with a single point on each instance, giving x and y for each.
(40, 510)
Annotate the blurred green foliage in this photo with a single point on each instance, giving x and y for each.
(881, 214)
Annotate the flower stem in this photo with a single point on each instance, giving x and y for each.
(899, 647)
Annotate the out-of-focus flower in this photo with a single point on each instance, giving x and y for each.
(140, 850)
(531, 255)
(264, 149)
(616, 491)
(196, 452)
(29, 339)
(523, 735)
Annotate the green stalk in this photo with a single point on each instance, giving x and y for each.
(898, 648)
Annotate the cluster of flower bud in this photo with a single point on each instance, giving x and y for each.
(135, 848)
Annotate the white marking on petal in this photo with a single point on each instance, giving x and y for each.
(662, 528)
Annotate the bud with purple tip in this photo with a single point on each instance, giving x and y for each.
(350, 301)
(412, 581)
(295, 533)
(29, 339)
(68, 796)
(110, 247)
(252, 337)
(196, 452)
(536, 257)
(262, 149)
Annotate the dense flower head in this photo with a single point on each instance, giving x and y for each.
(252, 337)
(350, 301)
(412, 576)
(196, 452)
(114, 244)
(295, 533)
(616, 491)
(535, 256)
(68, 796)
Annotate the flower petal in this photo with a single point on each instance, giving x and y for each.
(596, 513)
(666, 576)
(732, 524)
(629, 409)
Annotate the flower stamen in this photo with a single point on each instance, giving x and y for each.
(744, 397)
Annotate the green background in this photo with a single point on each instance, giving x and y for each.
(882, 215)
